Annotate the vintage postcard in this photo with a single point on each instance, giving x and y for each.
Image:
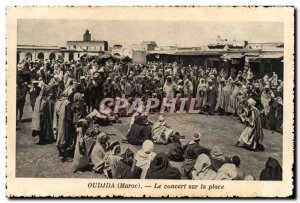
(150, 102)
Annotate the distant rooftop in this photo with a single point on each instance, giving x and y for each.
(92, 41)
(37, 47)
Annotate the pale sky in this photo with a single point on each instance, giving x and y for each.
(182, 33)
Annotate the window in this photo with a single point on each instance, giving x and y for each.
(74, 46)
(78, 55)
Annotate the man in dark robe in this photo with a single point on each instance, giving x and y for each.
(195, 146)
(211, 93)
(175, 152)
(41, 119)
(78, 71)
(272, 171)
(160, 168)
(139, 131)
(64, 127)
(21, 99)
(96, 91)
(124, 168)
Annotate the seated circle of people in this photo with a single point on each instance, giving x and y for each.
(69, 107)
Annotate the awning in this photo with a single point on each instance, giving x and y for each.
(233, 56)
(271, 56)
(253, 59)
(161, 52)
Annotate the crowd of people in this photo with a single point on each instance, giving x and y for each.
(66, 100)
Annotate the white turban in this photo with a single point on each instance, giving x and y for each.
(251, 102)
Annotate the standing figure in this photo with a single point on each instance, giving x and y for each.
(201, 93)
(252, 135)
(34, 92)
(169, 88)
(211, 93)
(41, 119)
(274, 80)
(266, 96)
(63, 127)
(21, 99)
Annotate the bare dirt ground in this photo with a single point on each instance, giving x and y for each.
(42, 160)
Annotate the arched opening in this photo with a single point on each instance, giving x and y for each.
(52, 56)
(71, 56)
(18, 56)
(40, 56)
(28, 56)
(117, 54)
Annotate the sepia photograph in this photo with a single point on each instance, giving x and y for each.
(191, 100)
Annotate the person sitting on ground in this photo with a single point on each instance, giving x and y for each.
(144, 157)
(98, 118)
(99, 151)
(227, 172)
(217, 158)
(188, 163)
(272, 171)
(139, 131)
(175, 152)
(90, 137)
(112, 157)
(203, 169)
(107, 110)
(124, 169)
(195, 146)
(138, 112)
(240, 173)
(161, 131)
(160, 168)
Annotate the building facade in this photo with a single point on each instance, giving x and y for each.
(33, 53)
(87, 44)
(73, 50)
(262, 58)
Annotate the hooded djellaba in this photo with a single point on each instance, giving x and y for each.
(203, 169)
(112, 157)
(188, 164)
(64, 127)
(144, 156)
(217, 158)
(139, 131)
(272, 171)
(175, 152)
(78, 107)
(41, 119)
(124, 168)
(160, 168)
(98, 155)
